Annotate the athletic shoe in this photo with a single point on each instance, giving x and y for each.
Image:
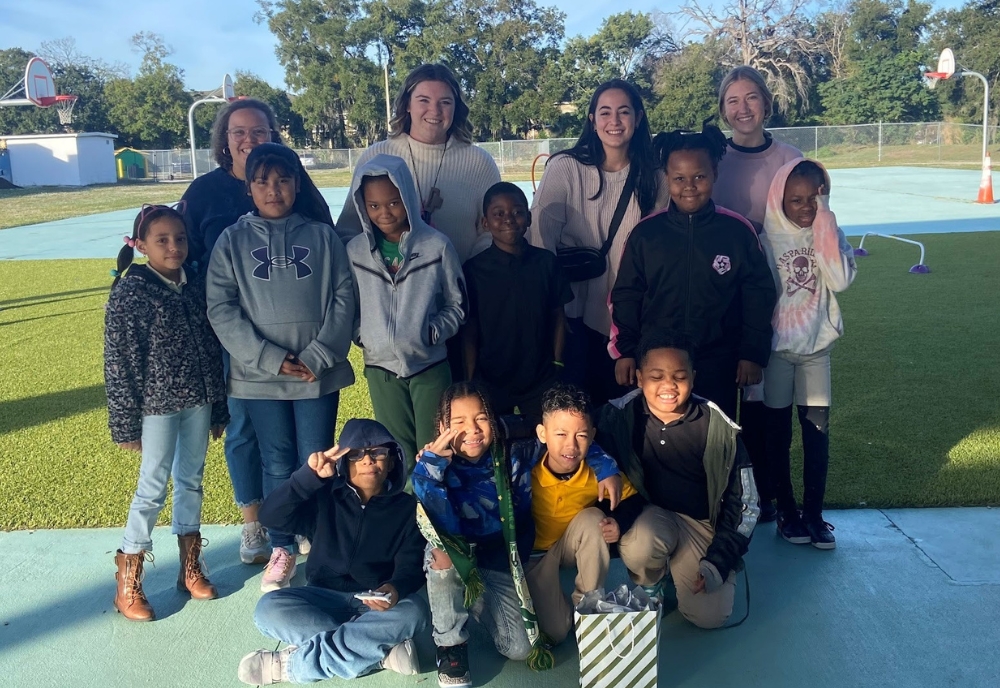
(264, 667)
(453, 666)
(657, 592)
(255, 545)
(767, 511)
(819, 533)
(402, 659)
(792, 529)
(304, 545)
(279, 571)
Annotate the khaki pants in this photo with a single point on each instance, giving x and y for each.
(582, 546)
(662, 538)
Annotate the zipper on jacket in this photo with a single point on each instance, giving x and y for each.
(687, 304)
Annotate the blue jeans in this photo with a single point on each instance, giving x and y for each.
(335, 633)
(242, 452)
(174, 444)
(288, 432)
(498, 609)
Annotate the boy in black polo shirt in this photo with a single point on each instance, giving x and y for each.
(686, 458)
(516, 328)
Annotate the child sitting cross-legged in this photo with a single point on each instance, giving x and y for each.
(359, 610)
(474, 488)
(572, 527)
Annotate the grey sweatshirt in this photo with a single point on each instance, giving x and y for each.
(404, 319)
(278, 287)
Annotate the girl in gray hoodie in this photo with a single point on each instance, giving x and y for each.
(281, 300)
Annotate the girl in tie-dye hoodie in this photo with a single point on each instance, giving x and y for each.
(811, 261)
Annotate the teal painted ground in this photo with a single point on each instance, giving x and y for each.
(908, 599)
(886, 200)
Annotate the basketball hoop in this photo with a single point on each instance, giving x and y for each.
(64, 106)
(934, 77)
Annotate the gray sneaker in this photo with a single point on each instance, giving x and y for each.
(264, 667)
(402, 659)
(304, 545)
(255, 544)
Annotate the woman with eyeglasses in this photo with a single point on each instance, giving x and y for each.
(215, 201)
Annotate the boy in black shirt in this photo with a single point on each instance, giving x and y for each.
(686, 458)
(516, 328)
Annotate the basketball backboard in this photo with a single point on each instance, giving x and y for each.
(37, 89)
(228, 92)
(946, 63)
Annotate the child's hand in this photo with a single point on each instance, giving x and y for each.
(610, 530)
(381, 605)
(748, 373)
(625, 371)
(442, 445)
(217, 431)
(324, 463)
(292, 366)
(131, 446)
(610, 488)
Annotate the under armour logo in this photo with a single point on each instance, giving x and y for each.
(265, 262)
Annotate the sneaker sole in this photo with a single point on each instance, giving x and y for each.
(801, 540)
(261, 558)
(824, 545)
(454, 683)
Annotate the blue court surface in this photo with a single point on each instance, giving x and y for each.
(909, 598)
(885, 200)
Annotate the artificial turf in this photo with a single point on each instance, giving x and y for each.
(915, 420)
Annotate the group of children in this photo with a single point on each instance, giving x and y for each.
(499, 511)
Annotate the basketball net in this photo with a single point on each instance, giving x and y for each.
(64, 106)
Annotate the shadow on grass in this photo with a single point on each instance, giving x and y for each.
(42, 299)
(26, 413)
(51, 315)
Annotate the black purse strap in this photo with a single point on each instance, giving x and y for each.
(616, 219)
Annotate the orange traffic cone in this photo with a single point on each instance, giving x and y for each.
(986, 185)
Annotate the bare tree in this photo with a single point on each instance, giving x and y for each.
(834, 30)
(775, 37)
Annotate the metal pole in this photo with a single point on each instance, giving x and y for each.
(986, 106)
(880, 140)
(194, 156)
(388, 110)
(815, 142)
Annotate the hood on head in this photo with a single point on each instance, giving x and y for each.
(775, 220)
(362, 432)
(400, 175)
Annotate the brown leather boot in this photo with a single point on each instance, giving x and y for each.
(191, 578)
(130, 600)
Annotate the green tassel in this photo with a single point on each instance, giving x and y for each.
(540, 659)
(474, 587)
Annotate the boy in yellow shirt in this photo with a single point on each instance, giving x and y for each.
(572, 528)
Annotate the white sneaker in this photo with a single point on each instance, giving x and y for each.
(402, 659)
(255, 545)
(279, 570)
(264, 667)
(304, 545)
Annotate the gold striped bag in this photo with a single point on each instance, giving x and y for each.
(618, 650)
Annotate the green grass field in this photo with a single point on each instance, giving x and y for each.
(915, 420)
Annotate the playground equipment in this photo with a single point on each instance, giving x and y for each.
(534, 185)
(39, 89)
(226, 94)
(945, 70)
(919, 269)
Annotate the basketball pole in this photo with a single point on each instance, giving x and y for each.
(194, 152)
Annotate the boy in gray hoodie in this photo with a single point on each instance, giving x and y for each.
(411, 299)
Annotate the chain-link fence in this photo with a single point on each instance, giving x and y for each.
(860, 145)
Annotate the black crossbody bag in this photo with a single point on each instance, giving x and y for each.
(582, 263)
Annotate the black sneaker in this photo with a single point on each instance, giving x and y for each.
(767, 511)
(820, 533)
(792, 529)
(453, 666)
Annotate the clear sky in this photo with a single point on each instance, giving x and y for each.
(212, 37)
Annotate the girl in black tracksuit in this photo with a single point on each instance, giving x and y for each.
(695, 269)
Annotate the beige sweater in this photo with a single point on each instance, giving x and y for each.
(466, 172)
(562, 215)
(745, 179)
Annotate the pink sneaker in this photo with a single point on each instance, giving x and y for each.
(279, 570)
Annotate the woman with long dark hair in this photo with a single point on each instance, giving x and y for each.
(575, 207)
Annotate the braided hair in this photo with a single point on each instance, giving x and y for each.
(710, 139)
(464, 390)
(140, 226)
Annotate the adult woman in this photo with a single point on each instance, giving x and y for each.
(430, 130)
(752, 159)
(213, 202)
(574, 207)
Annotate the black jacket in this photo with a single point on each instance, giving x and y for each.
(354, 547)
(703, 276)
(733, 503)
(212, 203)
(160, 354)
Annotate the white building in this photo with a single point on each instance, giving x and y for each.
(62, 159)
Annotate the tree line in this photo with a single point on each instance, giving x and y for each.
(856, 62)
